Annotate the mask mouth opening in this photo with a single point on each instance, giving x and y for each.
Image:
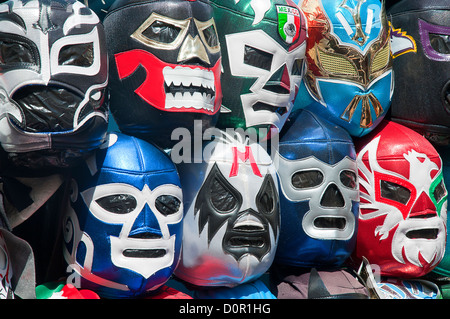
(330, 222)
(247, 232)
(240, 241)
(423, 234)
(46, 108)
(189, 88)
(144, 253)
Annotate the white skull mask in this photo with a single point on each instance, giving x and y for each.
(331, 191)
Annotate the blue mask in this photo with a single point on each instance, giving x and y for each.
(123, 228)
(319, 197)
(348, 77)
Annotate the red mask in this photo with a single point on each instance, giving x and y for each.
(403, 202)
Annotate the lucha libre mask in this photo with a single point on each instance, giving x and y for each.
(53, 74)
(348, 52)
(122, 230)
(319, 197)
(6, 271)
(421, 100)
(263, 45)
(231, 222)
(165, 67)
(443, 268)
(403, 202)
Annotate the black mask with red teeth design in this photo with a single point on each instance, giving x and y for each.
(165, 65)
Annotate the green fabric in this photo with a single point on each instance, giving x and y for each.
(231, 18)
(45, 291)
(443, 268)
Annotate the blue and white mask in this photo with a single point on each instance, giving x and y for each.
(123, 228)
(319, 197)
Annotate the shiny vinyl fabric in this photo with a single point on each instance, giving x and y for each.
(397, 288)
(123, 228)
(348, 76)
(53, 77)
(319, 197)
(421, 99)
(165, 65)
(443, 268)
(232, 221)
(403, 202)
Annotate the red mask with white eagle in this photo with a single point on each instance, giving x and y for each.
(403, 208)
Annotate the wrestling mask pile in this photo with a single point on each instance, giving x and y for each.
(226, 148)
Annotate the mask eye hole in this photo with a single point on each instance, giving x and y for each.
(77, 54)
(257, 58)
(307, 179)
(440, 42)
(440, 192)
(335, 64)
(222, 199)
(12, 52)
(381, 59)
(167, 204)
(395, 192)
(118, 203)
(208, 34)
(267, 196)
(435, 40)
(297, 67)
(161, 31)
(348, 179)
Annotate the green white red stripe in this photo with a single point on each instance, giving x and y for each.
(288, 23)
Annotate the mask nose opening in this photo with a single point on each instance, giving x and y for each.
(332, 197)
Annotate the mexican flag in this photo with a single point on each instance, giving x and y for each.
(288, 23)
